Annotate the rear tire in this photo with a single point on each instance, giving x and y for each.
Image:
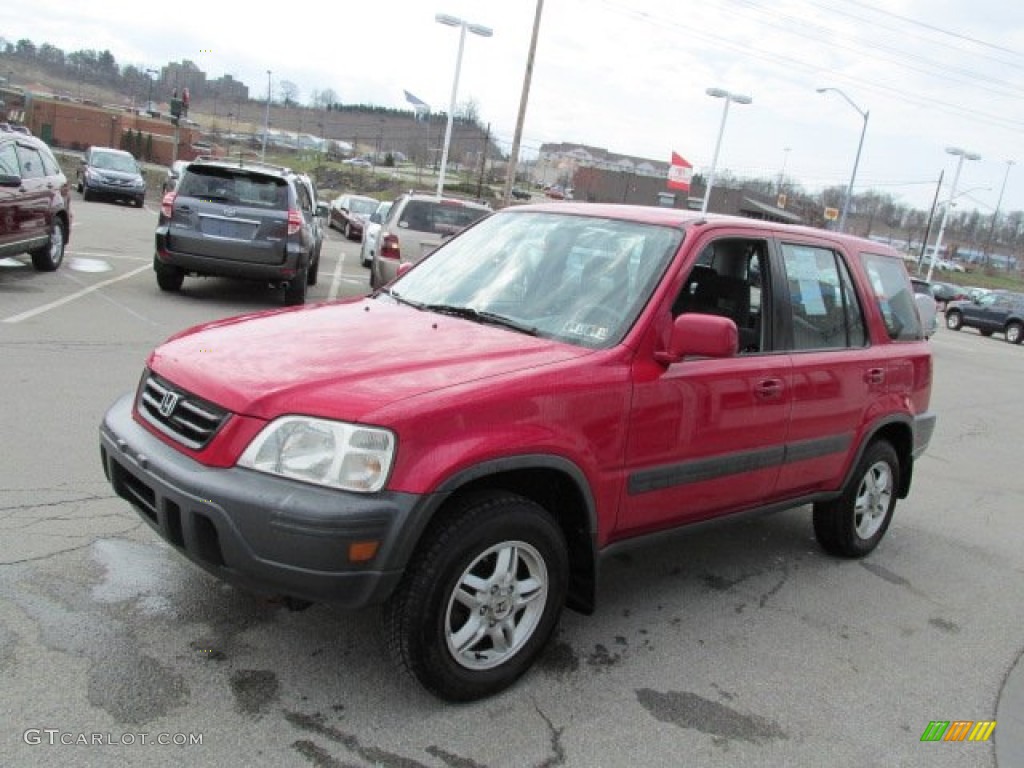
(86, 194)
(853, 524)
(480, 597)
(295, 291)
(314, 270)
(168, 277)
(50, 256)
(954, 321)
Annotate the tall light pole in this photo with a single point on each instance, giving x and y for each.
(995, 215)
(963, 155)
(856, 162)
(718, 93)
(266, 121)
(513, 158)
(476, 29)
(149, 101)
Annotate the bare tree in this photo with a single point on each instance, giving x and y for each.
(289, 92)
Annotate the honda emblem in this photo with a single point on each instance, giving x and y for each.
(169, 403)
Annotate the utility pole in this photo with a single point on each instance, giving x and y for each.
(513, 157)
(483, 163)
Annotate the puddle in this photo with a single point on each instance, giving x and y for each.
(133, 572)
(81, 264)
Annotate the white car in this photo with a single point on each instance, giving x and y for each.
(371, 234)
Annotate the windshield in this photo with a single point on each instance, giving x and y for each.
(112, 162)
(363, 206)
(576, 279)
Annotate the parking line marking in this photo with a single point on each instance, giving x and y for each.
(336, 280)
(72, 297)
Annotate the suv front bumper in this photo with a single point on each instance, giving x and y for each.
(265, 534)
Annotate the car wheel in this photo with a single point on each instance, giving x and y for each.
(168, 277)
(50, 256)
(139, 201)
(954, 321)
(86, 194)
(1013, 333)
(853, 524)
(314, 269)
(480, 597)
(348, 231)
(295, 291)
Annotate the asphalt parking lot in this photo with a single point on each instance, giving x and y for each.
(740, 644)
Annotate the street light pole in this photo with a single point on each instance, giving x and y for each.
(963, 155)
(266, 121)
(718, 93)
(995, 215)
(476, 29)
(149, 101)
(856, 162)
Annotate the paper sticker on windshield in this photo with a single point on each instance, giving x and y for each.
(587, 330)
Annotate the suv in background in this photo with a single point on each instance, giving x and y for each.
(35, 201)
(245, 220)
(415, 226)
(555, 383)
(994, 312)
(111, 173)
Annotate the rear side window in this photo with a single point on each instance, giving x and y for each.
(438, 218)
(31, 163)
(891, 287)
(825, 311)
(222, 185)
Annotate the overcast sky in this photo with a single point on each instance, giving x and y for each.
(630, 75)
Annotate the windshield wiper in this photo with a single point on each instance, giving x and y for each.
(401, 299)
(479, 316)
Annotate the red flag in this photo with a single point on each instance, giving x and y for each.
(679, 174)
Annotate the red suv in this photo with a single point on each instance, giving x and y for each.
(35, 201)
(551, 383)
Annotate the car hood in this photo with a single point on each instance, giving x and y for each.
(343, 360)
(118, 175)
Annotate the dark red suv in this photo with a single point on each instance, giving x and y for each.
(35, 201)
(548, 386)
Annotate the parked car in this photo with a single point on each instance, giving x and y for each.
(926, 305)
(244, 220)
(555, 383)
(321, 222)
(349, 213)
(521, 194)
(111, 173)
(371, 233)
(947, 292)
(358, 162)
(35, 201)
(173, 175)
(415, 226)
(995, 312)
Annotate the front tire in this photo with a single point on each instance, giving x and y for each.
(480, 597)
(1013, 333)
(853, 524)
(954, 321)
(50, 256)
(348, 231)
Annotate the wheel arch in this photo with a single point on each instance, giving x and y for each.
(898, 431)
(553, 482)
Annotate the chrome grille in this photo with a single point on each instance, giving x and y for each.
(177, 413)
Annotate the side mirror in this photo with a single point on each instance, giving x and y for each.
(375, 218)
(697, 335)
(321, 209)
(10, 180)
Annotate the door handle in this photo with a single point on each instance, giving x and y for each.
(874, 375)
(768, 388)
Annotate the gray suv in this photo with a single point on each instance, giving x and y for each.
(247, 220)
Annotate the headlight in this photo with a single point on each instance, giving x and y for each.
(331, 453)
